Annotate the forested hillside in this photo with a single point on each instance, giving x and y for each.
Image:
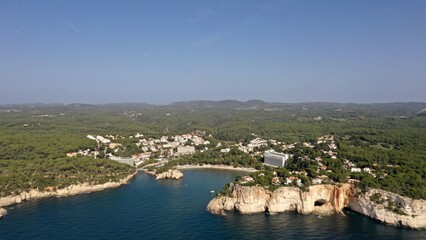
(36, 138)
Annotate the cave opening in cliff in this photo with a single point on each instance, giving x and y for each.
(320, 202)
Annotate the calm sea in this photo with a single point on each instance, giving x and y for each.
(150, 209)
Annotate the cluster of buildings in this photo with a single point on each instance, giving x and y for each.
(258, 145)
(250, 147)
(83, 152)
(172, 146)
(276, 159)
(186, 144)
(329, 149)
(163, 147)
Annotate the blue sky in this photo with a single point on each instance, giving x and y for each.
(164, 51)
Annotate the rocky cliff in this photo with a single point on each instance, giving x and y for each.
(323, 200)
(391, 208)
(51, 192)
(172, 174)
(320, 199)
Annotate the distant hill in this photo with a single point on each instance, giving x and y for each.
(309, 109)
(223, 104)
(234, 104)
(392, 109)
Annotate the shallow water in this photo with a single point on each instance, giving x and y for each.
(150, 209)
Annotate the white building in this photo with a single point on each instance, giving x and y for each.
(275, 159)
(185, 150)
(225, 150)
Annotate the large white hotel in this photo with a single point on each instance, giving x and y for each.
(275, 159)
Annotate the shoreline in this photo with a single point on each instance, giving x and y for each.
(210, 166)
(175, 172)
(71, 190)
(332, 198)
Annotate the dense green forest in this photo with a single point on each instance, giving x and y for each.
(234, 158)
(390, 137)
(17, 176)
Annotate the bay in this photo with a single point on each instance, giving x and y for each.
(168, 209)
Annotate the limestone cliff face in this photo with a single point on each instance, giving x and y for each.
(2, 212)
(385, 206)
(320, 199)
(68, 191)
(251, 199)
(391, 208)
(222, 204)
(172, 174)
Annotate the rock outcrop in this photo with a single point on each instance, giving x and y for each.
(172, 174)
(325, 199)
(68, 191)
(150, 172)
(320, 199)
(2, 212)
(391, 208)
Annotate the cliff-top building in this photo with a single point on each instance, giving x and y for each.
(275, 159)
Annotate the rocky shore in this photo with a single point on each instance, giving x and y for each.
(320, 199)
(176, 174)
(325, 199)
(68, 191)
(171, 174)
(391, 208)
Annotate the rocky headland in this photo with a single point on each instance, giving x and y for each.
(324, 199)
(171, 174)
(391, 208)
(52, 192)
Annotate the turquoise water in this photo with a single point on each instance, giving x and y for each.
(150, 209)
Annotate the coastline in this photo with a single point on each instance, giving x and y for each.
(175, 172)
(221, 167)
(71, 190)
(323, 199)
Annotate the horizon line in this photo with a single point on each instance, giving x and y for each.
(200, 100)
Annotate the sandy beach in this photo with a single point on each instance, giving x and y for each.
(223, 167)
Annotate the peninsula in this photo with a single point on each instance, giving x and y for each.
(28, 180)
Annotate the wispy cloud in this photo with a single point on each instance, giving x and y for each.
(274, 5)
(202, 12)
(74, 28)
(199, 14)
(16, 31)
(206, 41)
(220, 35)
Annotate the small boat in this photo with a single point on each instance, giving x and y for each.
(212, 191)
